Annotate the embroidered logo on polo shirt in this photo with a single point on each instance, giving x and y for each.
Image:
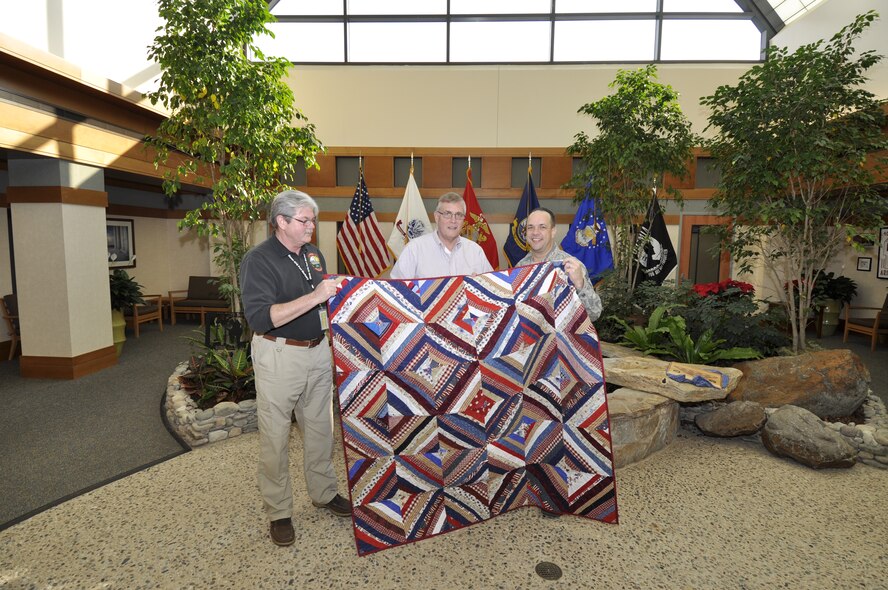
(315, 261)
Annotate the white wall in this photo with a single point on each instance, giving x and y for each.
(830, 16)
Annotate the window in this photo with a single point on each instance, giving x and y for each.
(518, 31)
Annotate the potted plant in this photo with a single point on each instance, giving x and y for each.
(831, 293)
(125, 292)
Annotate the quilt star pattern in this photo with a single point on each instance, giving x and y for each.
(462, 398)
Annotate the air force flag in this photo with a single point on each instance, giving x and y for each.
(587, 239)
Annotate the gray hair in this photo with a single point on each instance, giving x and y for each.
(287, 202)
(451, 197)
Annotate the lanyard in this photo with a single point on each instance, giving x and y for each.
(305, 275)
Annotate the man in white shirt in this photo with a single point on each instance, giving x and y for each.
(442, 253)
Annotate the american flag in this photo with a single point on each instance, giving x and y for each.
(360, 242)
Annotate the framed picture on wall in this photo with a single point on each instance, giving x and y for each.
(882, 271)
(121, 243)
(864, 263)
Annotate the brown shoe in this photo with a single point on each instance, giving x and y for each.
(282, 532)
(338, 506)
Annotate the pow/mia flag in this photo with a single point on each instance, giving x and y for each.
(653, 247)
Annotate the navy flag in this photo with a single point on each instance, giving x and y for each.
(587, 239)
(516, 246)
(653, 247)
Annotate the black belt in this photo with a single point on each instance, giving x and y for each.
(292, 342)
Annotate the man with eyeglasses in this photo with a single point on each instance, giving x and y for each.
(284, 295)
(540, 231)
(442, 253)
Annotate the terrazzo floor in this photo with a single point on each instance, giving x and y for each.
(703, 513)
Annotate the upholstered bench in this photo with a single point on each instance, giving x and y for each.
(201, 296)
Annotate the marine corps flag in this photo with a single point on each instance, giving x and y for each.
(653, 247)
(516, 246)
(475, 227)
(412, 220)
(587, 239)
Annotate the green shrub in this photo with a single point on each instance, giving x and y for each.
(220, 373)
(729, 311)
(667, 335)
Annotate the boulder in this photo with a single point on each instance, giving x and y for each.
(641, 423)
(610, 350)
(830, 383)
(733, 419)
(681, 382)
(796, 433)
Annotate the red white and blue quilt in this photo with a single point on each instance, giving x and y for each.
(464, 397)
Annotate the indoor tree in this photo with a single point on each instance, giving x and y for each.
(233, 122)
(642, 136)
(796, 140)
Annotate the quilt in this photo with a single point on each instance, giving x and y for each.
(462, 398)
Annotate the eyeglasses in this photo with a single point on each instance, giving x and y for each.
(448, 215)
(312, 221)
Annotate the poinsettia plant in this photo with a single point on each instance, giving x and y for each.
(723, 287)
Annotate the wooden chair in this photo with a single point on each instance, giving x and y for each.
(872, 327)
(148, 312)
(10, 314)
(201, 296)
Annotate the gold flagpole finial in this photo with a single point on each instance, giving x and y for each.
(470, 162)
(360, 164)
(411, 162)
(529, 164)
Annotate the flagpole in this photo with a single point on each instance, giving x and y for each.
(411, 162)
(529, 179)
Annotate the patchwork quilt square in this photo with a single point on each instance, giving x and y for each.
(465, 397)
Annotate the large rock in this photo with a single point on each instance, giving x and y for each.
(733, 419)
(611, 350)
(830, 383)
(661, 377)
(797, 433)
(641, 424)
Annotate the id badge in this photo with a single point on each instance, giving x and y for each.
(322, 312)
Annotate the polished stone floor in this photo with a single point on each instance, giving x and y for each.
(702, 513)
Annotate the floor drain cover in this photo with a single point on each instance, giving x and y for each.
(548, 571)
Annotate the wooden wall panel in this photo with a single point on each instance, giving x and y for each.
(323, 176)
(379, 171)
(556, 171)
(437, 172)
(497, 172)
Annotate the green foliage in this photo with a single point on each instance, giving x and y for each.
(734, 317)
(829, 286)
(125, 291)
(667, 335)
(219, 374)
(233, 121)
(617, 299)
(797, 140)
(642, 135)
(648, 339)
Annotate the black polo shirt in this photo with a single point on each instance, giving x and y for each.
(271, 274)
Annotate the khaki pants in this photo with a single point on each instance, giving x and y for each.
(292, 379)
